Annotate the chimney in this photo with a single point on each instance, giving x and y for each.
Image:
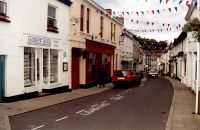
(109, 11)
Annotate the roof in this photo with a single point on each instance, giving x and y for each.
(180, 38)
(66, 2)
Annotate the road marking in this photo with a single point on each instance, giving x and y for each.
(94, 105)
(142, 85)
(37, 127)
(104, 101)
(62, 118)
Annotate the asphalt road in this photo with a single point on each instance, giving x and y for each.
(145, 107)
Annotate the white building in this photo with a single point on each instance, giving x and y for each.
(33, 45)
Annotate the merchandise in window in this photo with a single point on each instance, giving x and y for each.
(53, 66)
(29, 67)
(45, 66)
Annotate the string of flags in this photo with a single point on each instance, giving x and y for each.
(166, 1)
(153, 12)
(155, 30)
(150, 23)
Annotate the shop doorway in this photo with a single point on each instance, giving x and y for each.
(2, 77)
(75, 68)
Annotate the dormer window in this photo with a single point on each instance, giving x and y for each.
(3, 12)
(51, 19)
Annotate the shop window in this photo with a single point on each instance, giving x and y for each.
(29, 67)
(53, 66)
(111, 31)
(51, 19)
(3, 12)
(82, 18)
(46, 66)
(92, 67)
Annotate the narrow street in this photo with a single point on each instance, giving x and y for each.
(142, 107)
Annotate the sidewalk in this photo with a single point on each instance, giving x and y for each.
(183, 105)
(9, 109)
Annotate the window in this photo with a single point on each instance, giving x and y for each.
(111, 31)
(82, 18)
(46, 66)
(51, 19)
(3, 12)
(114, 31)
(88, 20)
(53, 66)
(101, 27)
(3, 8)
(29, 67)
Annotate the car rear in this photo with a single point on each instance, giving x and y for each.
(153, 73)
(121, 77)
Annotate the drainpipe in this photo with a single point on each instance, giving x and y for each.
(198, 59)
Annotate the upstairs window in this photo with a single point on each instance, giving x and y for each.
(3, 12)
(101, 27)
(88, 20)
(114, 32)
(82, 18)
(111, 32)
(51, 19)
(3, 8)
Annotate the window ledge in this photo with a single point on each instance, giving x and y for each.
(54, 29)
(4, 19)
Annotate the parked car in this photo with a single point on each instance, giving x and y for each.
(153, 73)
(125, 77)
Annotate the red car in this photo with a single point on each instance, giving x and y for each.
(125, 77)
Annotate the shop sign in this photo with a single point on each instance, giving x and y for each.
(39, 41)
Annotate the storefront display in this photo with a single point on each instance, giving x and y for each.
(54, 66)
(29, 67)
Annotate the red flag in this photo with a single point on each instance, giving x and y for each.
(168, 25)
(137, 13)
(152, 24)
(152, 11)
(137, 21)
(167, 1)
(170, 10)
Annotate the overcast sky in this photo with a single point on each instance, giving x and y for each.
(164, 17)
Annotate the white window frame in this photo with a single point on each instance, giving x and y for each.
(49, 17)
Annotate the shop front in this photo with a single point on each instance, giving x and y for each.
(2, 77)
(41, 63)
(99, 55)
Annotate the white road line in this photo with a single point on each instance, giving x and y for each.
(118, 95)
(37, 127)
(62, 118)
(105, 101)
(94, 105)
(80, 111)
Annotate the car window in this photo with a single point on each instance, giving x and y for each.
(121, 73)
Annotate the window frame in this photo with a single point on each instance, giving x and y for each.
(88, 20)
(3, 14)
(101, 26)
(53, 27)
(82, 10)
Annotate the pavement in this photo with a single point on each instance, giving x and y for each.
(181, 115)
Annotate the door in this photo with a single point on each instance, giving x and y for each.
(75, 68)
(2, 77)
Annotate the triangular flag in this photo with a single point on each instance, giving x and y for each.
(147, 23)
(179, 25)
(180, 2)
(132, 20)
(170, 10)
(114, 13)
(142, 12)
(158, 11)
(160, 1)
(152, 24)
(163, 24)
(152, 11)
(137, 13)
(122, 13)
(137, 21)
(168, 25)
(176, 9)
(167, 1)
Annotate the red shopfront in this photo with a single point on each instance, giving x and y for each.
(99, 54)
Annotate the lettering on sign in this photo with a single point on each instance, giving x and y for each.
(93, 108)
(39, 41)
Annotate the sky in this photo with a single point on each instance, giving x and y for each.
(147, 21)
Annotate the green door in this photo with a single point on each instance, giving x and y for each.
(2, 77)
